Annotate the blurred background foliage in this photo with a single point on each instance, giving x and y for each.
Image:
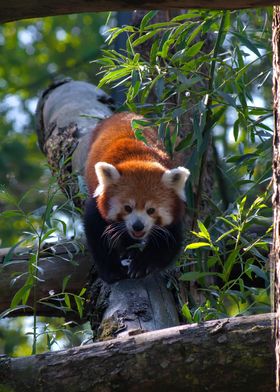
(227, 90)
(35, 52)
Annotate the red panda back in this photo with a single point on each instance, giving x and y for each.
(114, 142)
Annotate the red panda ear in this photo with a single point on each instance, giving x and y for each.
(176, 180)
(107, 174)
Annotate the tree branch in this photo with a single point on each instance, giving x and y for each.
(16, 9)
(230, 355)
(54, 266)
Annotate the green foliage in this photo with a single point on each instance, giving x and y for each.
(52, 334)
(228, 259)
(182, 74)
(178, 79)
(33, 54)
(43, 227)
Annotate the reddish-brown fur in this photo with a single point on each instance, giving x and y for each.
(114, 142)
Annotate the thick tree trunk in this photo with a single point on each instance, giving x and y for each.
(230, 355)
(16, 9)
(275, 254)
(54, 265)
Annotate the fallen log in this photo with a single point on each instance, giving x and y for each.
(235, 354)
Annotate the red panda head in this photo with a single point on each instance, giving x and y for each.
(143, 195)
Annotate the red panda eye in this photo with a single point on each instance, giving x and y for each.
(128, 209)
(150, 211)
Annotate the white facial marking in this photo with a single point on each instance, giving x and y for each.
(176, 179)
(114, 208)
(166, 217)
(106, 174)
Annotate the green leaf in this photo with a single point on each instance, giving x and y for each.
(79, 302)
(236, 130)
(241, 205)
(8, 257)
(57, 307)
(226, 234)
(82, 292)
(228, 98)
(21, 296)
(48, 234)
(195, 275)
(228, 222)
(10, 310)
(189, 15)
(159, 87)
(229, 263)
(187, 313)
(259, 272)
(12, 214)
(63, 223)
(185, 143)
(165, 48)
(246, 42)
(153, 51)
(216, 116)
(65, 282)
(203, 229)
(145, 37)
(194, 49)
(194, 33)
(197, 245)
(146, 19)
(67, 300)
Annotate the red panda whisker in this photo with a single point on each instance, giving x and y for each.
(115, 240)
(160, 238)
(113, 228)
(162, 233)
(113, 232)
(154, 239)
(165, 231)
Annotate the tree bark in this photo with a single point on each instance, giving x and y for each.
(275, 253)
(230, 355)
(54, 265)
(16, 9)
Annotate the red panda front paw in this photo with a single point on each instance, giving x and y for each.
(137, 269)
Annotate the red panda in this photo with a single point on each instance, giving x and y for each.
(136, 201)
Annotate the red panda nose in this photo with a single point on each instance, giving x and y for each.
(138, 226)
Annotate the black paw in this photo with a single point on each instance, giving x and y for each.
(137, 269)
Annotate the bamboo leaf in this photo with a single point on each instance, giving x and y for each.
(197, 245)
(146, 19)
(21, 296)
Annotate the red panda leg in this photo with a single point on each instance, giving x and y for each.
(106, 260)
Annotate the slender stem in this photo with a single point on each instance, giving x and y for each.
(40, 234)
